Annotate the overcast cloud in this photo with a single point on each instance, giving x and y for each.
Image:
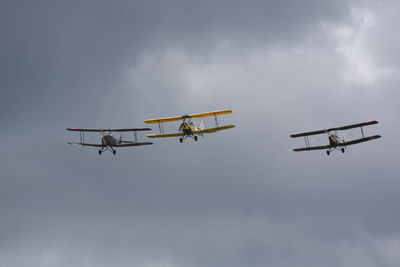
(240, 197)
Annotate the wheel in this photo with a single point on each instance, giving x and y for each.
(342, 150)
(114, 151)
(180, 140)
(327, 152)
(195, 138)
(99, 152)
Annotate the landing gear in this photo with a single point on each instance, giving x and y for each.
(342, 150)
(114, 151)
(195, 138)
(181, 140)
(99, 152)
(328, 152)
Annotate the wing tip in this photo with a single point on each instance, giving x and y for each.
(374, 137)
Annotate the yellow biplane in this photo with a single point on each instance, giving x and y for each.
(187, 127)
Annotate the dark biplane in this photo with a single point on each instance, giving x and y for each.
(336, 141)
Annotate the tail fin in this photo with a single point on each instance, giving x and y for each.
(201, 126)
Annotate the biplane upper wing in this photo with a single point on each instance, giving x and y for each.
(354, 125)
(196, 115)
(214, 129)
(165, 135)
(312, 148)
(211, 113)
(109, 130)
(167, 119)
(353, 142)
(308, 133)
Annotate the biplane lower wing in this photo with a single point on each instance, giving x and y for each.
(312, 148)
(117, 145)
(214, 129)
(353, 142)
(86, 144)
(357, 141)
(165, 135)
(134, 144)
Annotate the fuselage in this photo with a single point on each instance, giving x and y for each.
(335, 140)
(109, 140)
(188, 127)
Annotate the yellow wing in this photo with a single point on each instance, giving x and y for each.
(211, 113)
(168, 119)
(165, 135)
(197, 115)
(214, 129)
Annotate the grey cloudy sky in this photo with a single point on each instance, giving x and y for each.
(235, 198)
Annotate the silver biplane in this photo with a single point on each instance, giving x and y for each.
(336, 141)
(108, 141)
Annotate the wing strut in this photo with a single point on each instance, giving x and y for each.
(362, 132)
(161, 127)
(307, 141)
(82, 137)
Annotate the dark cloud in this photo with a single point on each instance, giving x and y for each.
(58, 53)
